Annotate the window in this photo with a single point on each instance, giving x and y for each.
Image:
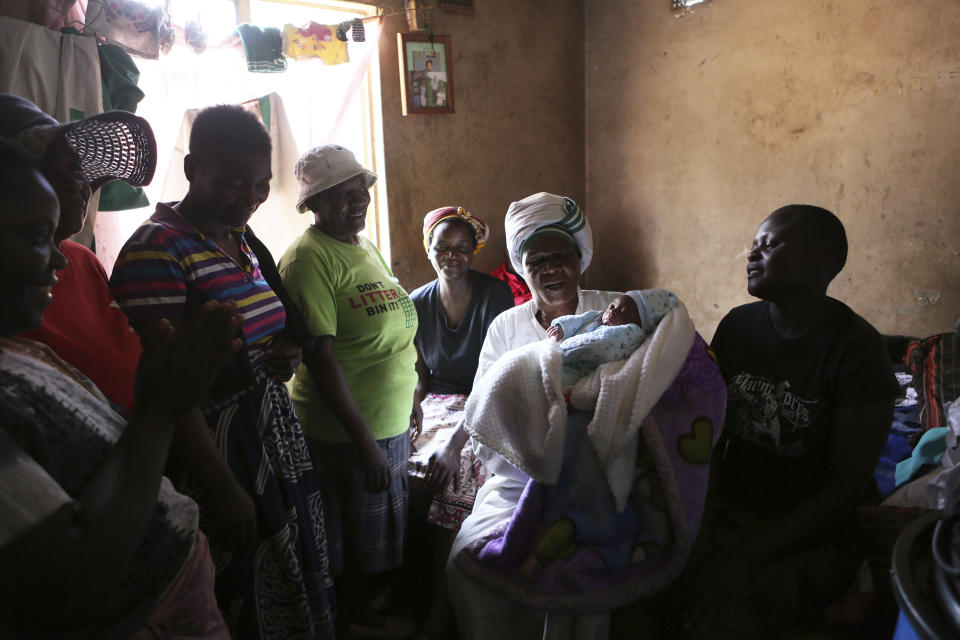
(337, 104)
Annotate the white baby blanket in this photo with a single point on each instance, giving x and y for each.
(517, 408)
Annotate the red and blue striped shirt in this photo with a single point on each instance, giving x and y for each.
(167, 254)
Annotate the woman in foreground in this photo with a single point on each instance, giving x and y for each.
(94, 542)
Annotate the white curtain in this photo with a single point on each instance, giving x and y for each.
(321, 104)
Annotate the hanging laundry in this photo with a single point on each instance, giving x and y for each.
(58, 72)
(139, 29)
(358, 32)
(263, 47)
(195, 36)
(354, 28)
(52, 14)
(315, 41)
(119, 76)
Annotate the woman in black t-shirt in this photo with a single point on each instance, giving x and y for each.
(809, 404)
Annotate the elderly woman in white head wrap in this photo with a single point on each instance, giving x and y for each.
(354, 395)
(550, 245)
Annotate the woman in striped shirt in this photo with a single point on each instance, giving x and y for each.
(245, 458)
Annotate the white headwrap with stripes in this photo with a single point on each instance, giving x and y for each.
(541, 214)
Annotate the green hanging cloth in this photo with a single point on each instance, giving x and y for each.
(119, 76)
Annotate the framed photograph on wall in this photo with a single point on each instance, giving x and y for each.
(426, 73)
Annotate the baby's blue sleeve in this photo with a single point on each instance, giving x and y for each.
(573, 325)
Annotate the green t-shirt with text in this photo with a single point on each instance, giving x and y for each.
(347, 291)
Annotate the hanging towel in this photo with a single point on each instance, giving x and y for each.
(315, 41)
(263, 47)
(119, 76)
(60, 73)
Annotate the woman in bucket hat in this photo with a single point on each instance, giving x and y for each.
(355, 393)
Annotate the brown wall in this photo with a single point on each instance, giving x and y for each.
(518, 125)
(698, 126)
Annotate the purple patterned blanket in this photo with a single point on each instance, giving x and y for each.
(567, 547)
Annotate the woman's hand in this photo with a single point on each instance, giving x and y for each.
(234, 518)
(416, 419)
(283, 358)
(178, 367)
(555, 331)
(376, 467)
(443, 466)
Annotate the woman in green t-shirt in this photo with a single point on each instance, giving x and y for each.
(354, 391)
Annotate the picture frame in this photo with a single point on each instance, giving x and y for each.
(426, 73)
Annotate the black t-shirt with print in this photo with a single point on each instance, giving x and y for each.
(782, 396)
(452, 355)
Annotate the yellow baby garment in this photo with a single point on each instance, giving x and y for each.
(315, 41)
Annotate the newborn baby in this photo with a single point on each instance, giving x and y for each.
(595, 337)
(571, 515)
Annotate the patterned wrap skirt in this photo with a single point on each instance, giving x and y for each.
(441, 415)
(280, 588)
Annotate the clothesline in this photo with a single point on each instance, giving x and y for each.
(153, 32)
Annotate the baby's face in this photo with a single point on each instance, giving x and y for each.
(623, 310)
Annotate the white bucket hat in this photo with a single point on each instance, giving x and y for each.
(324, 167)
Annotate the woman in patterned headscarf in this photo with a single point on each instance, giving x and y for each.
(453, 312)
